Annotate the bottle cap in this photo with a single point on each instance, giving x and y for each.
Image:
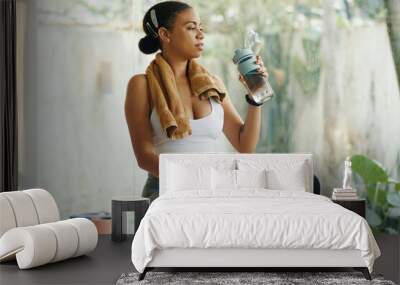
(241, 53)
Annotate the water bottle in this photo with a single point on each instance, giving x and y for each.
(256, 84)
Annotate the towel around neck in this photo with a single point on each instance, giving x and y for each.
(165, 95)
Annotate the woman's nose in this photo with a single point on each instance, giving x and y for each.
(200, 34)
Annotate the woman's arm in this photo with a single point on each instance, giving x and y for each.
(243, 136)
(137, 113)
(250, 131)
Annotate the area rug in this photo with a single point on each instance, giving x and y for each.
(273, 278)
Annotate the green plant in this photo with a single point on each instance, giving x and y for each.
(381, 192)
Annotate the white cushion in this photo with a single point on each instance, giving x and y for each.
(87, 233)
(281, 174)
(7, 220)
(40, 244)
(27, 208)
(45, 205)
(247, 161)
(251, 178)
(188, 177)
(67, 239)
(189, 160)
(293, 178)
(33, 246)
(232, 179)
(23, 208)
(223, 179)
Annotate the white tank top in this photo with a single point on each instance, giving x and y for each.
(205, 132)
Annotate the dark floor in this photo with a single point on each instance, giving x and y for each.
(110, 259)
(102, 266)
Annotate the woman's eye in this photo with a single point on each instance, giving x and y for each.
(194, 28)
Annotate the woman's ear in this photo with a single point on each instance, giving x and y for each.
(163, 33)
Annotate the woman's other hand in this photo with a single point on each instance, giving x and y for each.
(262, 68)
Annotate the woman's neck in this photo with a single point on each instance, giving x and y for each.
(178, 65)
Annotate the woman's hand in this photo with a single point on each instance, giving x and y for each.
(261, 69)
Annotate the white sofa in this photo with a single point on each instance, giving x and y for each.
(31, 231)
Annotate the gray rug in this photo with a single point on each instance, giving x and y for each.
(230, 278)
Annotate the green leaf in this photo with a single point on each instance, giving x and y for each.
(370, 170)
(377, 196)
(373, 218)
(394, 198)
(392, 231)
(394, 212)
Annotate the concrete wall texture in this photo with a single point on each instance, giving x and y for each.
(76, 67)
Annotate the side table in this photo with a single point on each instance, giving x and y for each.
(121, 204)
(357, 205)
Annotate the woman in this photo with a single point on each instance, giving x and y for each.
(175, 29)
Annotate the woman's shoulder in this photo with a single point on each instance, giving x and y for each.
(138, 84)
(137, 87)
(137, 80)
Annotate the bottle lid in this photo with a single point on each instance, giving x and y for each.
(241, 53)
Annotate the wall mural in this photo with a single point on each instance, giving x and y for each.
(334, 67)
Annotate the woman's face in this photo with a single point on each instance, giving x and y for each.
(186, 36)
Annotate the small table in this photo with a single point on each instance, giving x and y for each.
(121, 204)
(357, 205)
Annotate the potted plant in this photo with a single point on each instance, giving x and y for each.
(382, 194)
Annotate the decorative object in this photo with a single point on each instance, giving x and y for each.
(347, 175)
(121, 204)
(344, 194)
(102, 221)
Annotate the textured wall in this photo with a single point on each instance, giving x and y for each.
(76, 140)
(76, 131)
(356, 108)
(78, 61)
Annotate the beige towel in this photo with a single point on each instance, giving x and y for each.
(166, 99)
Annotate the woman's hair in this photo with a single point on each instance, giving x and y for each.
(160, 15)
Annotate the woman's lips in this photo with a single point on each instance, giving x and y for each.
(200, 46)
